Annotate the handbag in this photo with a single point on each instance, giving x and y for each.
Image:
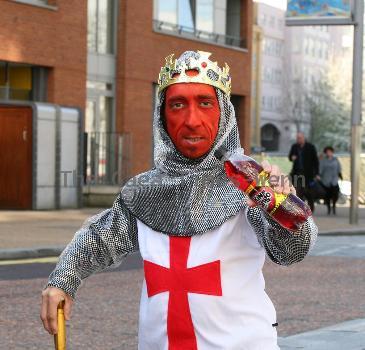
(317, 190)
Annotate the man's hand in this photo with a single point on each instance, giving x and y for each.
(51, 297)
(293, 157)
(278, 180)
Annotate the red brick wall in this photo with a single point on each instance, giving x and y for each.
(141, 54)
(55, 39)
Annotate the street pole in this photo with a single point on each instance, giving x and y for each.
(357, 73)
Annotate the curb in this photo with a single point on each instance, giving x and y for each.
(344, 232)
(30, 253)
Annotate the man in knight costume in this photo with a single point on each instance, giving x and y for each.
(202, 241)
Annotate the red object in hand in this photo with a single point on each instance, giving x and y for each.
(249, 176)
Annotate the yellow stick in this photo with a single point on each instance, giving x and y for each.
(60, 337)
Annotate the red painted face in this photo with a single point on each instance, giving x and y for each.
(192, 117)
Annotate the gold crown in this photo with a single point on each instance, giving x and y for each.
(174, 72)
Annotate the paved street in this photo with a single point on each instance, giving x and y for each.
(328, 288)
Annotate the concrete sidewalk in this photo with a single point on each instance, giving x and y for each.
(31, 234)
(348, 335)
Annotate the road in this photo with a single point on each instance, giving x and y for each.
(327, 288)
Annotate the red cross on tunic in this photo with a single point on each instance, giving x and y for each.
(179, 280)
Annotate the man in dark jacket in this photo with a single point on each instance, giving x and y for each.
(305, 167)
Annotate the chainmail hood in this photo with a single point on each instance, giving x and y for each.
(182, 196)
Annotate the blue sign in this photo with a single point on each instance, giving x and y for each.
(318, 8)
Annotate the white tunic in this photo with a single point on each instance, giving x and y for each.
(241, 318)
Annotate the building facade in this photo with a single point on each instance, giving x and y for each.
(151, 32)
(290, 61)
(308, 61)
(42, 99)
(104, 57)
(272, 119)
(43, 51)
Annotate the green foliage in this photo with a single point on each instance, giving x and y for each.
(330, 118)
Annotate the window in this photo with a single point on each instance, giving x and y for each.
(3, 74)
(100, 35)
(263, 19)
(306, 46)
(190, 14)
(100, 140)
(263, 102)
(320, 51)
(185, 12)
(305, 75)
(270, 137)
(278, 48)
(313, 48)
(233, 20)
(278, 76)
(203, 19)
(273, 47)
(101, 94)
(266, 45)
(238, 102)
(204, 15)
(272, 75)
(266, 75)
(167, 11)
(272, 21)
(22, 82)
(295, 47)
(278, 104)
(325, 49)
(271, 103)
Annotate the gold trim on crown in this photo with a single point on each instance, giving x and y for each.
(209, 73)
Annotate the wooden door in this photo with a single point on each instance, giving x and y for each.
(15, 157)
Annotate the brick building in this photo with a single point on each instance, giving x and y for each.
(147, 36)
(104, 56)
(43, 55)
(43, 51)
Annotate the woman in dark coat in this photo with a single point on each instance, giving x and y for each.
(330, 172)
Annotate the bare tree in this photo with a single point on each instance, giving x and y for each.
(295, 106)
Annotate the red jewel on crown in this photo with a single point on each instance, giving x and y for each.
(204, 64)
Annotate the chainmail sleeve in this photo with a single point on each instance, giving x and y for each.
(283, 247)
(104, 240)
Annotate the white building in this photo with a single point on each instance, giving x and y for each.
(271, 21)
(292, 60)
(307, 61)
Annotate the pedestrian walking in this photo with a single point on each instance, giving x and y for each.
(329, 173)
(305, 168)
